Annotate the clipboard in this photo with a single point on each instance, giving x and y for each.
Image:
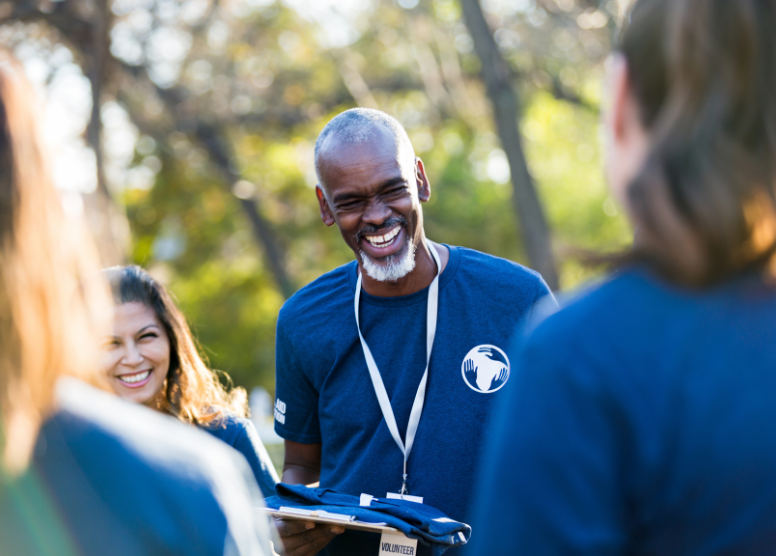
(326, 517)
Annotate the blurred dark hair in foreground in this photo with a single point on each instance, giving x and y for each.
(47, 316)
(704, 76)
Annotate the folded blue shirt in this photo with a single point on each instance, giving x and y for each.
(417, 521)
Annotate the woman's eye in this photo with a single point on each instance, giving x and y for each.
(149, 335)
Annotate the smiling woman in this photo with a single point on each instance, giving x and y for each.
(151, 357)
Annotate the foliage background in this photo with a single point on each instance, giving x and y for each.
(209, 113)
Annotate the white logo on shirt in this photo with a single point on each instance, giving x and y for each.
(280, 411)
(485, 369)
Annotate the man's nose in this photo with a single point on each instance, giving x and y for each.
(376, 213)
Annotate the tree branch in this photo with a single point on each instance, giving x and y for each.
(73, 29)
(210, 136)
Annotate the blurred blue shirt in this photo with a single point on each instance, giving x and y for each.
(113, 477)
(642, 421)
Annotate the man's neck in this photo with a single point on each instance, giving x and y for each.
(421, 276)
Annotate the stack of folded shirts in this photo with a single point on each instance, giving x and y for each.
(417, 521)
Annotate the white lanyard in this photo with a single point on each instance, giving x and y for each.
(377, 380)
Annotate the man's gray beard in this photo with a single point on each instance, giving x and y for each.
(394, 267)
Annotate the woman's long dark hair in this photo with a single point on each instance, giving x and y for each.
(192, 392)
(703, 73)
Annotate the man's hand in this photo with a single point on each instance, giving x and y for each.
(305, 538)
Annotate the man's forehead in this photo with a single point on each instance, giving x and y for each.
(373, 160)
(377, 145)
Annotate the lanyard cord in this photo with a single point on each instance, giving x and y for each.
(377, 380)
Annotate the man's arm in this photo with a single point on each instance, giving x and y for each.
(302, 466)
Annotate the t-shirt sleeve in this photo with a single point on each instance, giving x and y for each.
(549, 482)
(249, 445)
(296, 398)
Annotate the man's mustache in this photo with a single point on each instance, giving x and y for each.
(390, 223)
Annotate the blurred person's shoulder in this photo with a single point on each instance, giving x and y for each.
(134, 466)
(616, 299)
(90, 415)
(618, 323)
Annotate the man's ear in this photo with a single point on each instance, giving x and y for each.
(424, 188)
(326, 214)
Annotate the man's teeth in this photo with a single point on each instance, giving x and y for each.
(382, 241)
(131, 379)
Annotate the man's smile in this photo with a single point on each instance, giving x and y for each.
(384, 240)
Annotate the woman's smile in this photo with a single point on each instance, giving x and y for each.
(135, 380)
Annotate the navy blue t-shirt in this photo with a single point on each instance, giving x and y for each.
(324, 392)
(240, 434)
(640, 420)
(113, 477)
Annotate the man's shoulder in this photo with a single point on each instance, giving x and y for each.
(497, 272)
(331, 290)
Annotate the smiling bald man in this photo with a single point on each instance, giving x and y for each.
(399, 356)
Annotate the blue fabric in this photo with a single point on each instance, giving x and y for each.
(417, 521)
(324, 392)
(240, 434)
(642, 421)
(112, 477)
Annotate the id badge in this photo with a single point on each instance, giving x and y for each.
(392, 544)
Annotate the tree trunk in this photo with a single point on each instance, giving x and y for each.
(213, 141)
(496, 75)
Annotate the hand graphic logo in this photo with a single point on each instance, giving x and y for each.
(485, 369)
(500, 379)
(470, 371)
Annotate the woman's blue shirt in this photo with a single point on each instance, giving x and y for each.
(241, 435)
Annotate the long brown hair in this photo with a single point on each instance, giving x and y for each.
(48, 316)
(192, 392)
(703, 73)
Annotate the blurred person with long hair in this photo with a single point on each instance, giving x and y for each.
(81, 471)
(642, 417)
(151, 358)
